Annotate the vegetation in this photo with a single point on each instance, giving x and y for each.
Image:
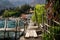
(17, 11)
(57, 8)
(8, 13)
(39, 11)
(55, 28)
(25, 8)
(1, 12)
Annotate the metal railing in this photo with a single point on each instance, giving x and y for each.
(8, 30)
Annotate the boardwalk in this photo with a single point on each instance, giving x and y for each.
(11, 29)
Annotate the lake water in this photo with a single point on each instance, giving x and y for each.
(11, 24)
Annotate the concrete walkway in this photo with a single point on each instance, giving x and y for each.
(30, 31)
(38, 38)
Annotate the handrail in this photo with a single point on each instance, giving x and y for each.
(47, 25)
(56, 22)
(11, 29)
(44, 29)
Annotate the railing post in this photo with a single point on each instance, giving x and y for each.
(18, 27)
(43, 19)
(24, 28)
(5, 28)
(16, 32)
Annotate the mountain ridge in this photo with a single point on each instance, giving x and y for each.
(12, 3)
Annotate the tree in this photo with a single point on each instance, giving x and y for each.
(1, 12)
(17, 11)
(39, 10)
(8, 13)
(56, 7)
(54, 29)
(25, 8)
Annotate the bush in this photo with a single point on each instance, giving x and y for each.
(54, 33)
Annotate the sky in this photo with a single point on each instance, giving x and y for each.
(26, 0)
(21, 0)
(31, 2)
